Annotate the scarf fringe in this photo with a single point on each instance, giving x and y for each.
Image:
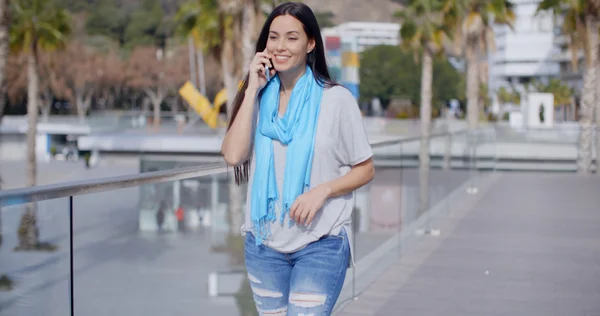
(261, 230)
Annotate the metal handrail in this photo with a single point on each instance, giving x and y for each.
(414, 138)
(73, 188)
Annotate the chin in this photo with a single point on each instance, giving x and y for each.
(286, 68)
(282, 69)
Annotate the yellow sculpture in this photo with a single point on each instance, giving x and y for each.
(202, 106)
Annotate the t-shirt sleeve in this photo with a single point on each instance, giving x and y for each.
(354, 145)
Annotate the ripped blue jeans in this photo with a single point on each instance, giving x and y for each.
(307, 282)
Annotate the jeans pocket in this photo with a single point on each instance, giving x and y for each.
(335, 242)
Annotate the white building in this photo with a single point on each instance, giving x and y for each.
(525, 52)
(367, 33)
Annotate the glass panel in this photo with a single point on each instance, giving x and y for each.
(550, 149)
(168, 248)
(34, 272)
(378, 206)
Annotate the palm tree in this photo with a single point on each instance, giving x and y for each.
(3, 57)
(474, 37)
(580, 25)
(215, 26)
(4, 20)
(37, 25)
(423, 31)
(223, 28)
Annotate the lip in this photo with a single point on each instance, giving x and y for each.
(278, 60)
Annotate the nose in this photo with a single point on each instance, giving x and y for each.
(280, 46)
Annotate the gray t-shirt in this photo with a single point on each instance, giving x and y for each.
(341, 142)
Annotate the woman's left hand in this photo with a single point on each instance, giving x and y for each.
(308, 204)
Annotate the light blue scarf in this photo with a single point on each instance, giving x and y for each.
(296, 129)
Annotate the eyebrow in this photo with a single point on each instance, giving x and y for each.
(286, 33)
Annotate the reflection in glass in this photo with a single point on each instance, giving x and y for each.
(35, 281)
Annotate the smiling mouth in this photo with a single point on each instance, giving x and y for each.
(282, 58)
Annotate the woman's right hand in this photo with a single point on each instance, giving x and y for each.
(256, 78)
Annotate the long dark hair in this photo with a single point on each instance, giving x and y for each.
(315, 60)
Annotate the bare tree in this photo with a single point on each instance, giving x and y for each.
(110, 85)
(82, 68)
(157, 73)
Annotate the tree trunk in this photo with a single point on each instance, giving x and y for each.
(1, 229)
(156, 110)
(156, 98)
(3, 52)
(28, 232)
(447, 142)
(588, 97)
(45, 107)
(232, 63)
(248, 24)
(597, 101)
(192, 60)
(472, 84)
(32, 116)
(83, 101)
(227, 65)
(173, 106)
(426, 81)
(201, 72)
(3, 57)
(45, 104)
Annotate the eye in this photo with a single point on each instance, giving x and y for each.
(293, 38)
(272, 37)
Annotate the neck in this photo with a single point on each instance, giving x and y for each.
(289, 78)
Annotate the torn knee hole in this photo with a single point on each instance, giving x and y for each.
(253, 279)
(307, 300)
(265, 293)
(273, 312)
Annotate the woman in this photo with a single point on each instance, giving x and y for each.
(299, 140)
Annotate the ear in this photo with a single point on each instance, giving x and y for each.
(311, 46)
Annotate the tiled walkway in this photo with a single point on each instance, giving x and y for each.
(526, 244)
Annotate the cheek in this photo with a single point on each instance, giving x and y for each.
(299, 51)
(271, 46)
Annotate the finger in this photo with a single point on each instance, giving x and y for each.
(266, 61)
(298, 214)
(293, 209)
(264, 53)
(309, 214)
(302, 217)
(259, 65)
(306, 215)
(267, 53)
(310, 217)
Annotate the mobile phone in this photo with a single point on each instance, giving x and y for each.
(267, 73)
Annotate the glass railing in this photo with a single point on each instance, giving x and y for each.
(168, 242)
(553, 149)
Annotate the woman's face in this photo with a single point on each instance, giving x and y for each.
(288, 43)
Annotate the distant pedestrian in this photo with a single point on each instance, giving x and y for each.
(180, 215)
(160, 215)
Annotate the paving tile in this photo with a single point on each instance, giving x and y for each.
(522, 248)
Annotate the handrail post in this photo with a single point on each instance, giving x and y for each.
(71, 272)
